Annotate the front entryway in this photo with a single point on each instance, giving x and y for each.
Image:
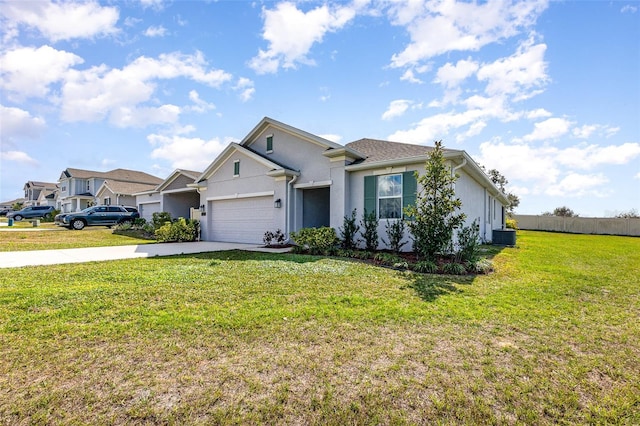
(316, 207)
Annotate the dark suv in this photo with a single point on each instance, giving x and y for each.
(97, 216)
(32, 212)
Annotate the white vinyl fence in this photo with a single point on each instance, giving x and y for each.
(580, 225)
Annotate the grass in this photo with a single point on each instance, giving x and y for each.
(234, 337)
(51, 236)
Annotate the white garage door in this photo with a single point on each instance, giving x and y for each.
(242, 220)
(147, 210)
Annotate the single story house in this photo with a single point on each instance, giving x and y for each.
(172, 195)
(281, 177)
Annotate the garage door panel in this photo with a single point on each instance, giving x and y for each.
(242, 220)
(147, 210)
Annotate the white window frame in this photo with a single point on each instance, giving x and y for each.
(388, 197)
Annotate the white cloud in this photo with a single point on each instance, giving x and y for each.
(555, 171)
(184, 152)
(587, 130)
(155, 31)
(629, 9)
(246, 88)
(537, 113)
(438, 126)
(587, 157)
(579, 185)
(637, 176)
(199, 105)
(439, 27)
(450, 75)
(410, 77)
(396, 109)
(61, 20)
(17, 157)
(28, 72)
(155, 4)
(551, 128)
(291, 33)
(520, 75)
(99, 92)
(332, 137)
(16, 124)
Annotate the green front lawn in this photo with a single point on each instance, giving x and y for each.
(234, 337)
(51, 236)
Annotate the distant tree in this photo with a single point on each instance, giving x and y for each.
(563, 211)
(17, 206)
(633, 213)
(435, 215)
(501, 182)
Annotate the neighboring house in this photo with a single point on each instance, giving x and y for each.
(35, 193)
(120, 193)
(9, 204)
(280, 177)
(172, 196)
(78, 189)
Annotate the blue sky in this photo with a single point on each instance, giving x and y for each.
(546, 92)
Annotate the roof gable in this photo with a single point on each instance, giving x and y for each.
(124, 188)
(125, 175)
(267, 122)
(234, 147)
(177, 174)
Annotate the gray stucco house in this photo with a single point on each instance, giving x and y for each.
(281, 177)
(173, 195)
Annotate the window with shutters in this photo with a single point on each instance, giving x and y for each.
(388, 195)
(236, 168)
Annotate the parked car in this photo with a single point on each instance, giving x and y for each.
(4, 212)
(97, 216)
(32, 212)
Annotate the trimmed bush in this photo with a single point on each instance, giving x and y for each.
(159, 219)
(469, 243)
(395, 233)
(316, 240)
(182, 230)
(511, 224)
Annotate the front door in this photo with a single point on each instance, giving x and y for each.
(316, 208)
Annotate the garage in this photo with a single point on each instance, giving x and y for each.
(148, 209)
(241, 220)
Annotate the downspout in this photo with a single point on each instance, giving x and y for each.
(288, 215)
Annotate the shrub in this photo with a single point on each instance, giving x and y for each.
(426, 267)
(370, 225)
(51, 216)
(453, 268)
(482, 266)
(269, 237)
(159, 219)
(511, 224)
(179, 231)
(387, 258)
(316, 240)
(469, 243)
(395, 233)
(348, 231)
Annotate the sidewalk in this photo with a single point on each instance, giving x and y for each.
(16, 259)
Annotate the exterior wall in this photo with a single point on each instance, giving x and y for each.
(179, 183)
(473, 195)
(152, 201)
(580, 225)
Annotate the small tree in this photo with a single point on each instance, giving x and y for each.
(395, 233)
(348, 231)
(369, 224)
(435, 215)
(501, 182)
(631, 214)
(563, 211)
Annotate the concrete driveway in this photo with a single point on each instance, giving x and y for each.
(16, 259)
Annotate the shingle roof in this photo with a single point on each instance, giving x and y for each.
(117, 174)
(128, 188)
(48, 185)
(378, 150)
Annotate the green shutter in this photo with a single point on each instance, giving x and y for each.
(269, 143)
(370, 193)
(409, 189)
